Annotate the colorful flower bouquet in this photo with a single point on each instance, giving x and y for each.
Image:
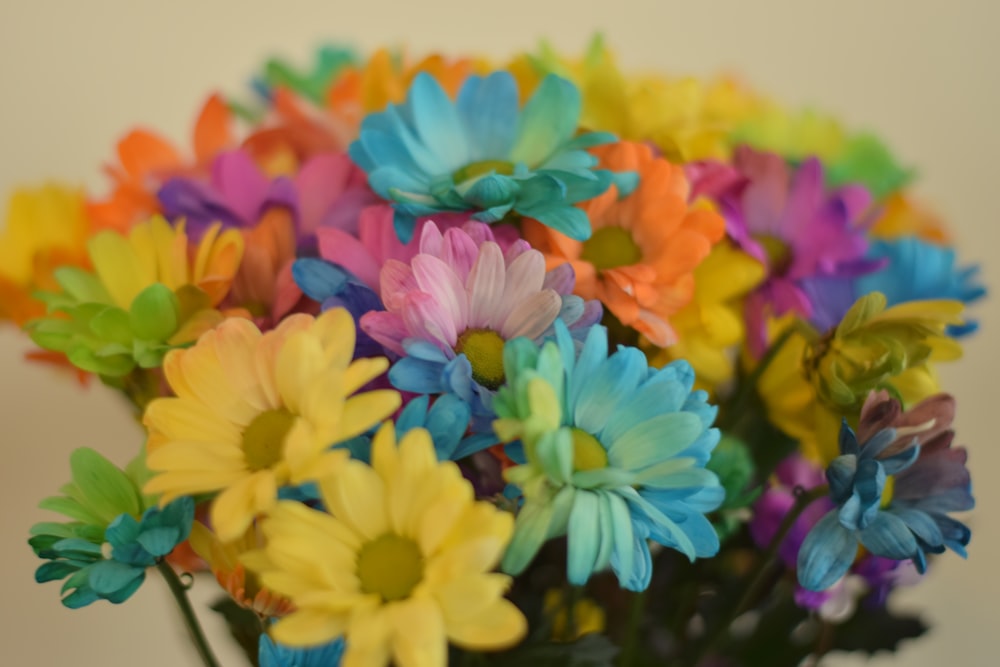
(444, 362)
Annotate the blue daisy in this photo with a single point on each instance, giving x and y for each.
(616, 453)
(484, 154)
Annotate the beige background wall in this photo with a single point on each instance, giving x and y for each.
(74, 75)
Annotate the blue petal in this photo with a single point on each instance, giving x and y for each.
(583, 538)
(110, 576)
(549, 119)
(438, 124)
(614, 382)
(318, 279)
(888, 536)
(417, 375)
(826, 554)
(488, 108)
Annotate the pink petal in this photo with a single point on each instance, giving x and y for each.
(320, 182)
(341, 248)
(531, 317)
(436, 278)
(562, 279)
(388, 329)
(241, 183)
(395, 282)
(515, 250)
(431, 239)
(427, 319)
(525, 276)
(460, 251)
(479, 232)
(485, 286)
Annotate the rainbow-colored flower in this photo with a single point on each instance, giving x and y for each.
(450, 310)
(616, 455)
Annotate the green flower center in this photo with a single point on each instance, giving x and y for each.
(484, 350)
(588, 453)
(390, 566)
(264, 438)
(476, 169)
(779, 255)
(609, 248)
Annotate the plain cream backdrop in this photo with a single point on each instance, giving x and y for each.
(75, 75)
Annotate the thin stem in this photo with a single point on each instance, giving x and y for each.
(760, 576)
(631, 644)
(190, 618)
(748, 385)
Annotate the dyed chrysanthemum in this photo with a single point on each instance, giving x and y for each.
(711, 326)
(873, 344)
(686, 118)
(809, 238)
(482, 154)
(452, 308)
(149, 292)
(254, 412)
(115, 535)
(223, 559)
(616, 455)
(901, 214)
(919, 271)
(45, 228)
(640, 258)
(894, 484)
(400, 566)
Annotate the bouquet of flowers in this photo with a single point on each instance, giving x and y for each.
(443, 361)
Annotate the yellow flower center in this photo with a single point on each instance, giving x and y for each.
(264, 438)
(476, 169)
(887, 491)
(609, 248)
(390, 566)
(484, 350)
(779, 255)
(588, 454)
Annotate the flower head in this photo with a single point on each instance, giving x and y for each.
(644, 247)
(452, 307)
(149, 292)
(483, 154)
(400, 565)
(616, 455)
(116, 532)
(808, 238)
(895, 482)
(254, 412)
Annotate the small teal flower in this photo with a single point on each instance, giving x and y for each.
(271, 654)
(482, 153)
(916, 271)
(893, 491)
(114, 568)
(104, 552)
(616, 455)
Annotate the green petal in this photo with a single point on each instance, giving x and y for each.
(154, 313)
(107, 488)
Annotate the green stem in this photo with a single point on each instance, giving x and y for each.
(630, 647)
(760, 575)
(748, 385)
(190, 618)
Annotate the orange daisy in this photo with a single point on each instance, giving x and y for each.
(640, 258)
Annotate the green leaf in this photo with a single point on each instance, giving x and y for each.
(88, 360)
(108, 490)
(154, 313)
(732, 463)
(71, 508)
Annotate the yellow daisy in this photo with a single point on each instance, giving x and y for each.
(254, 412)
(399, 567)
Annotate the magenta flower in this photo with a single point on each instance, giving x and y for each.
(812, 240)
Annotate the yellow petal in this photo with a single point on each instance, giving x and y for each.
(418, 635)
(236, 507)
(307, 627)
(356, 496)
(499, 626)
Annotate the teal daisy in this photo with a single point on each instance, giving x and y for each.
(484, 154)
(616, 453)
